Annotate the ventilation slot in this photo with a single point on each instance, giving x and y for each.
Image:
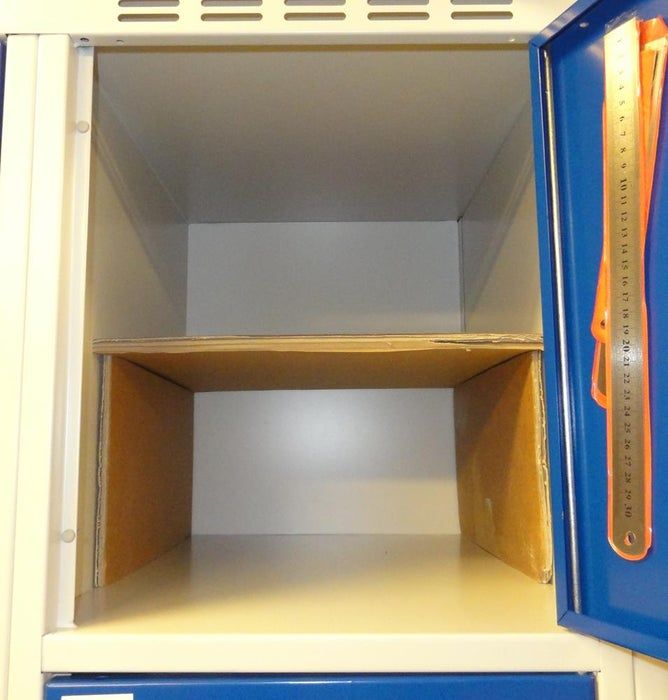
(164, 17)
(232, 17)
(313, 3)
(482, 15)
(389, 3)
(231, 3)
(148, 3)
(402, 16)
(314, 16)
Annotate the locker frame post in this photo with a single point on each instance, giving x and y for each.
(51, 350)
(15, 184)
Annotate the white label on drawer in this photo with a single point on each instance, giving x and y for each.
(97, 696)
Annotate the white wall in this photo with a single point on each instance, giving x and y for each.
(305, 462)
(501, 284)
(309, 278)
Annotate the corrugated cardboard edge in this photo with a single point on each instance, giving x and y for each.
(319, 343)
(493, 476)
(101, 500)
(540, 427)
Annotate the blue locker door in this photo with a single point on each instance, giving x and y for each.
(349, 687)
(599, 593)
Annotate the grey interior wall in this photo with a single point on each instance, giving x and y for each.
(500, 276)
(320, 134)
(325, 462)
(138, 240)
(310, 278)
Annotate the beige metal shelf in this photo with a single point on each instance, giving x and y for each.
(342, 602)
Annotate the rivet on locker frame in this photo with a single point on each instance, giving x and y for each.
(68, 536)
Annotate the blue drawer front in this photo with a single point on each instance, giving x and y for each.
(624, 602)
(425, 687)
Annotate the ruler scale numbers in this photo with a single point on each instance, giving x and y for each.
(625, 352)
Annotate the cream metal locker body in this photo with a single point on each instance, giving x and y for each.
(126, 240)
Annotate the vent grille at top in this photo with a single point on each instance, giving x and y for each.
(389, 3)
(402, 15)
(163, 17)
(313, 3)
(231, 3)
(481, 2)
(482, 15)
(314, 16)
(486, 14)
(398, 16)
(148, 3)
(231, 16)
(148, 16)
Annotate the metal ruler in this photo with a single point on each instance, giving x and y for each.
(626, 382)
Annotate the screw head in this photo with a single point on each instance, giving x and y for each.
(68, 536)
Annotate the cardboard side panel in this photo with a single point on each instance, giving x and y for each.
(145, 475)
(501, 465)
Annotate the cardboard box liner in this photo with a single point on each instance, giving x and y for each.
(145, 459)
(502, 479)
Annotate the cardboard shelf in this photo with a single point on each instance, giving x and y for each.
(320, 362)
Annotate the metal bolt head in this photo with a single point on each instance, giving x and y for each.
(68, 536)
